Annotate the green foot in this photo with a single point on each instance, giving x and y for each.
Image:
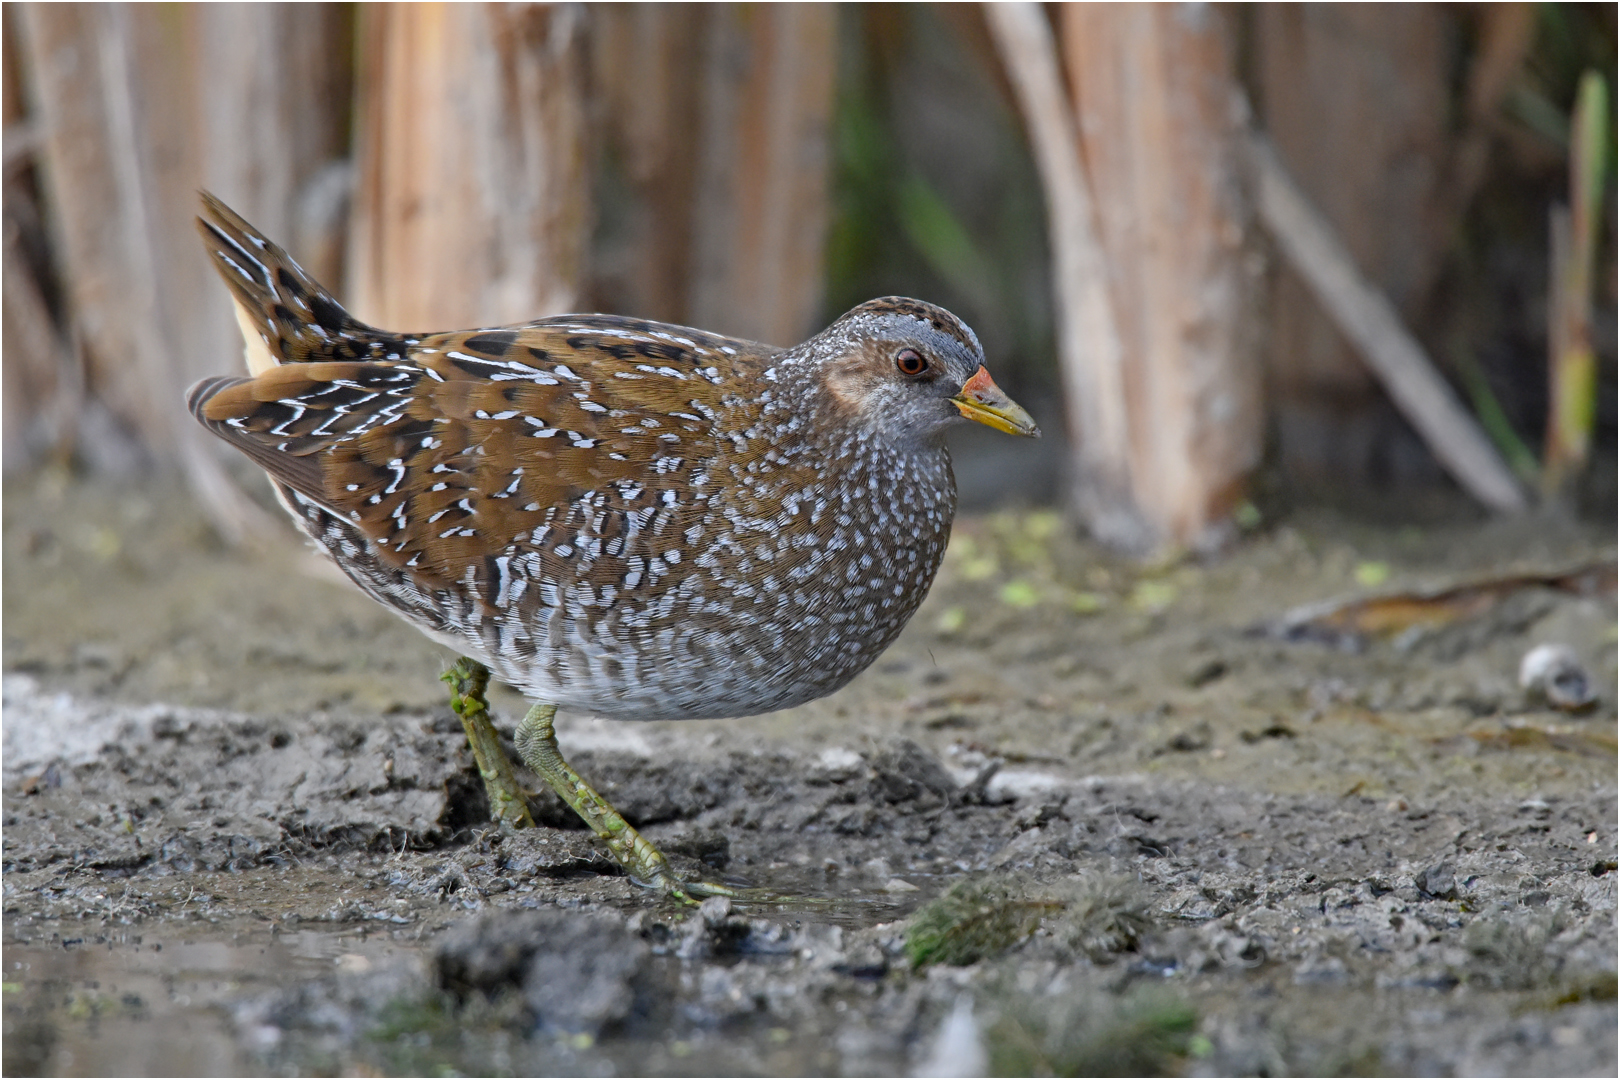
(537, 744)
(646, 865)
(468, 679)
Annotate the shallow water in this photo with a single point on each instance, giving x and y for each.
(147, 1001)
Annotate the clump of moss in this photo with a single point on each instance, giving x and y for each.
(975, 919)
(1098, 917)
(1102, 917)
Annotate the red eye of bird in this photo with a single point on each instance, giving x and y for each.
(910, 362)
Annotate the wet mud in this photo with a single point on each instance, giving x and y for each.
(1085, 816)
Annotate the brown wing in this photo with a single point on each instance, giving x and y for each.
(574, 433)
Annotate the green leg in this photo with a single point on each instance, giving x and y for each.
(468, 680)
(646, 865)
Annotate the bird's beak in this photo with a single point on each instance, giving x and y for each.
(982, 400)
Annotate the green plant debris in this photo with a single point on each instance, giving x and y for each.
(1087, 603)
(960, 548)
(1152, 596)
(973, 920)
(1019, 594)
(1372, 573)
(1042, 525)
(980, 568)
(972, 562)
(1572, 404)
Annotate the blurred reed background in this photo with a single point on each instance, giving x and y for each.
(1274, 248)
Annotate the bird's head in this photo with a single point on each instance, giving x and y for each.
(909, 370)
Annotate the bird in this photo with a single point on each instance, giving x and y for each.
(634, 519)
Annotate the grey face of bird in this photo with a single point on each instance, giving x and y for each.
(907, 377)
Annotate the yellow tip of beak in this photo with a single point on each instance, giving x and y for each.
(982, 400)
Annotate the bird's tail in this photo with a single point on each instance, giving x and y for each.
(286, 316)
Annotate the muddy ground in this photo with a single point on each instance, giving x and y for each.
(1150, 824)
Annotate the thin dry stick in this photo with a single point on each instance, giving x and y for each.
(1371, 323)
(1088, 339)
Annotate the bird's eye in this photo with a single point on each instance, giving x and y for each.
(910, 362)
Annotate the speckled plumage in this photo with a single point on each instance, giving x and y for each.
(639, 520)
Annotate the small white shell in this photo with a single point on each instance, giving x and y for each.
(1555, 672)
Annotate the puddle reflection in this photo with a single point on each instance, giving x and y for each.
(154, 1003)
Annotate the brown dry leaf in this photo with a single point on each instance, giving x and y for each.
(1348, 624)
(1538, 737)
